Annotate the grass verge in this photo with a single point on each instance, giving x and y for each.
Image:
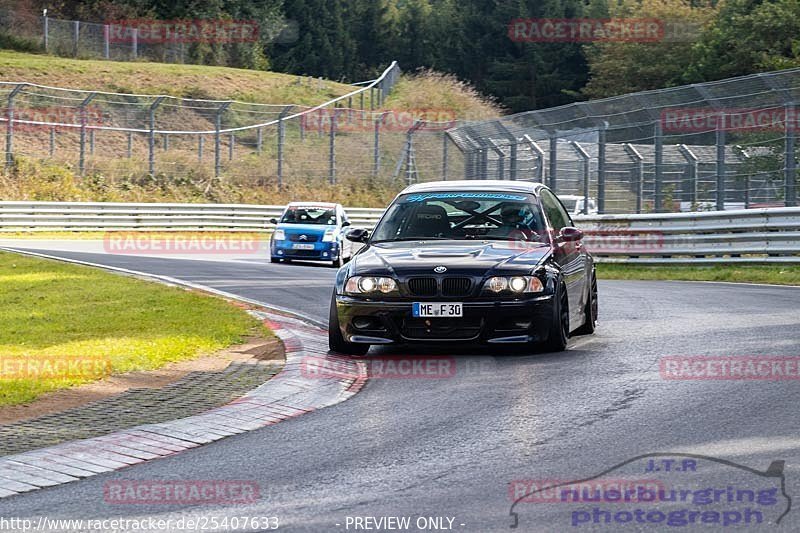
(53, 313)
(183, 81)
(772, 274)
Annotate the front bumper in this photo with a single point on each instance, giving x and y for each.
(484, 321)
(322, 251)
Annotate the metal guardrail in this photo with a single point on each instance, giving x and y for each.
(743, 236)
(108, 216)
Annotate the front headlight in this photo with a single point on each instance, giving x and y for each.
(370, 285)
(279, 235)
(328, 237)
(513, 284)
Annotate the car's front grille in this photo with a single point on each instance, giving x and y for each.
(422, 286)
(456, 286)
(302, 237)
(441, 328)
(302, 253)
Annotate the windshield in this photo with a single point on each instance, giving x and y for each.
(462, 216)
(307, 214)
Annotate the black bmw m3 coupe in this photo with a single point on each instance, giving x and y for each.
(466, 261)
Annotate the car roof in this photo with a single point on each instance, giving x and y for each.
(475, 185)
(310, 204)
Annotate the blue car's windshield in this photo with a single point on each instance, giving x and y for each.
(309, 215)
(462, 215)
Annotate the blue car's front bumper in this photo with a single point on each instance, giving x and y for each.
(322, 251)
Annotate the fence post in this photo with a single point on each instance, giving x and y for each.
(130, 144)
(469, 164)
(231, 143)
(501, 158)
(91, 142)
(200, 148)
(259, 140)
(535, 148)
(747, 176)
(691, 160)
(585, 158)
(376, 143)
(217, 141)
(411, 163)
(553, 182)
(166, 142)
(52, 140)
(658, 145)
(445, 139)
(82, 147)
(332, 153)
(601, 169)
(281, 133)
(638, 161)
(76, 35)
(721, 170)
(46, 32)
(151, 143)
(106, 48)
(135, 43)
(790, 122)
(10, 126)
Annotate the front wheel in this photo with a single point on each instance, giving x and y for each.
(338, 262)
(559, 327)
(336, 341)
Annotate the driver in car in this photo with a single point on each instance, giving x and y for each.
(515, 224)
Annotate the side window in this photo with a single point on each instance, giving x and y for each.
(555, 211)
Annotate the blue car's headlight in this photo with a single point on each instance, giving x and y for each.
(328, 237)
(279, 235)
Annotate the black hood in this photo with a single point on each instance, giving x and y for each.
(459, 257)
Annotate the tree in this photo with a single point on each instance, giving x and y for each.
(623, 67)
(748, 36)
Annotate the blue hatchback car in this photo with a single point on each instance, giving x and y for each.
(311, 231)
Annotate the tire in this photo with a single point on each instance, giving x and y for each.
(338, 262)
(590, 310)
(559, 327)
(336, 342)
(274, 259)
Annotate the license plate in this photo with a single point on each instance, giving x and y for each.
(437, 309)
(301, 246)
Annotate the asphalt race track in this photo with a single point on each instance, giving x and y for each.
(451, 446)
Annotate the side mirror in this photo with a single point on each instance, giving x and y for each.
(357, 235)
(273, 221)
(345, 223)
(570, 234)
